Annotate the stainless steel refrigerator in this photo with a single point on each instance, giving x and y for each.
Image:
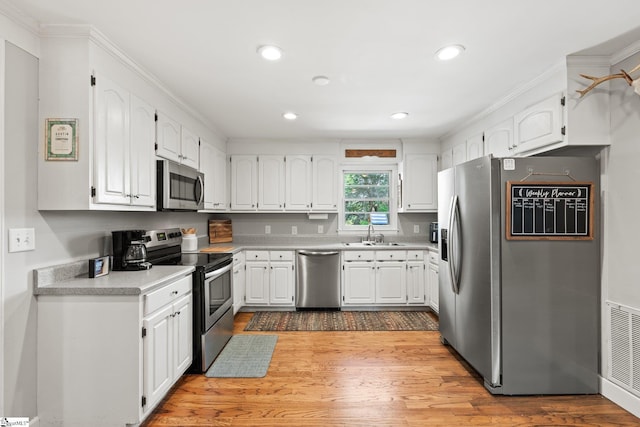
(519, 289)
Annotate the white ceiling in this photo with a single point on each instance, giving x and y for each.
(377, 53)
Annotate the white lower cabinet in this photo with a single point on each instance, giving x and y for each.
(269, 278)
(239, 281)
(432, 280)
(416, 285)
(106, 360)
(383, 277)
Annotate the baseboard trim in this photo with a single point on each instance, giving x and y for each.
(620, 396)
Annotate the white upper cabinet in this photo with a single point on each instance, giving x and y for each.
(168, 138)
(143, 164)
(539, 125)
(112, 142)
(459, 153)
(447, 159)
(177, 143)
(271, 178)
(124, 161)
(498, 140)
(298, 183)
(419, 183)
(213, 163)
(190, 148)
(325, 183)
(475, 146)
(244, 182)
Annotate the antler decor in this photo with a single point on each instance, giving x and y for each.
(621, 75)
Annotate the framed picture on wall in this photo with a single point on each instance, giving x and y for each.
(61, 139)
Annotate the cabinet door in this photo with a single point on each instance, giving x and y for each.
(257, 278)
(498, 140)
(143, 165)
(182, 335)
(420, 184)
(238, 287)
(158, 355)
(391, 282)
(416, 292)
(244, 182)
(298, 183)
(207, 167)
(459, 153)
(281, 283)
(112, 179)
(475, 146)
(432, 279)
(325, 183)
(271, 177)
(539, 125)
(220, 188)
(168, 138)
(447, 159)
(359, 282)
(189, 148)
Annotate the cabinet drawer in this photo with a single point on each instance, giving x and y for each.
(433, 257)
(391, 255)
(156, 299)
(238, 258)
(357, 255)
(257, 255)
(281, 255)
(415, 255)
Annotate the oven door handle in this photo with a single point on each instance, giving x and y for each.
(218, 272)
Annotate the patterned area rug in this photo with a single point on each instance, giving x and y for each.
(342, 321)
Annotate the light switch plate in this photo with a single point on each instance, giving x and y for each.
(267, 229)
(22, 239)
(320, 229)
(416, 228)
(294, 229)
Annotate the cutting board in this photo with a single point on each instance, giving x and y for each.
(220, 231)
(220, 249)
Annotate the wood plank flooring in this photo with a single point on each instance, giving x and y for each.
(368, 379)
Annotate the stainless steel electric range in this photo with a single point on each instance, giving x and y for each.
(212, 293)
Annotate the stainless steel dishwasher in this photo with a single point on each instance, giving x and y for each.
(318, 279)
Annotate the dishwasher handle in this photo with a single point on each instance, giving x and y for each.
(316, 253)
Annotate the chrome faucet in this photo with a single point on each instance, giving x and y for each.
(370, 231)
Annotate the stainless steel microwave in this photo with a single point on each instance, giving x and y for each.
(180, 188)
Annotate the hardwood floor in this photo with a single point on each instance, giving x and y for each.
(368, 379)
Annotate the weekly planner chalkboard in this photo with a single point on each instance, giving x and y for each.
(549, 211)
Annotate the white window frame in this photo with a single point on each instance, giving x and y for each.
(392, 168)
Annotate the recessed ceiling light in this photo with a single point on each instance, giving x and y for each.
(290, 115)
(449, 52)
(399, 115)
(270, 52)
(320, 80)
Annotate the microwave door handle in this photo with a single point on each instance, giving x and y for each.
(201, 184)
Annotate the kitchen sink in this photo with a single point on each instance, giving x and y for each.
(365, 244)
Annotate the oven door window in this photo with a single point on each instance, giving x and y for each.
(219, 292)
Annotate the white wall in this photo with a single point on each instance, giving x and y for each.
(623, 171)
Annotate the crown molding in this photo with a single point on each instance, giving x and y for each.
(625, 53)
(91, 33)
(19, 17)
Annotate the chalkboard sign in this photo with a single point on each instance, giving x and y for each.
(549, 210)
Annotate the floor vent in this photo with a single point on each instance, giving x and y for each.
(624, 350)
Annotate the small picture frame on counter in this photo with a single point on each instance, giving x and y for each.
(99, 267)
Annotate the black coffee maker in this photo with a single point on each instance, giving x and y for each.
(129, 250)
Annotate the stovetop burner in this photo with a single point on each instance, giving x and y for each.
(208, 261)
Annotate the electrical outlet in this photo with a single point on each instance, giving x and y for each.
(22, 239)
(267, 229)
(294, 229)
(416, 228)
(320, 229)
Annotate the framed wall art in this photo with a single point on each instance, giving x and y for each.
(61, 139)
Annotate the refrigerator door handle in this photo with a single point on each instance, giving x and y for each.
(454, 232)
